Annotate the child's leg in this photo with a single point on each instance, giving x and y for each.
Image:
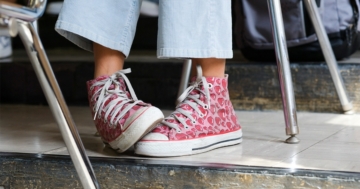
(111, 24)
(107, 61)
(108, 29)
(204, 118)
(211, 67)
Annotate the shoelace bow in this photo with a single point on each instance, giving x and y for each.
(116, 104)
(193, 100)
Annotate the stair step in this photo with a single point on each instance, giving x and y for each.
(252, 85)
(54, 171)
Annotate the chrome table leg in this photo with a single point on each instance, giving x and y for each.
(282, 58)
(184, 81)
(57, 104)
(329, 55)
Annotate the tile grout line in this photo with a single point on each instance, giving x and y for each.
(54, 150)
(314, 144)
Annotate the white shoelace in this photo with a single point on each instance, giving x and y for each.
(114, 107)
(192, 100)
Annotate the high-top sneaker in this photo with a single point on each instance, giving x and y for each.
(204, 119)
(120, 118)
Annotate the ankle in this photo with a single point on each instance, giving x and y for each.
(107, 61)
(211, 67)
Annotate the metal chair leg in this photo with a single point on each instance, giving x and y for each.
(282, 58)
(328, 54)
(57, 104)
(184, 81)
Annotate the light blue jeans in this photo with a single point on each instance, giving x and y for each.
(187, 28)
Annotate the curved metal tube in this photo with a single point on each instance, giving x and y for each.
(57, 104)
(29, 14)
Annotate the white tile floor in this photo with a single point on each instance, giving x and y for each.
(328, 141)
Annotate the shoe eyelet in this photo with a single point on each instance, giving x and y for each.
(186, 127)
(210, 85)
(201, 115)
(178, 130)
(193, 121)
(206, 106)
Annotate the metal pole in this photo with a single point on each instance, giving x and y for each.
(29, 14)
(328, 54)
(184, 81)
(282, 58)
(57, 104)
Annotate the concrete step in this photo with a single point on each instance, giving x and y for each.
(51, 171)
(253, 86)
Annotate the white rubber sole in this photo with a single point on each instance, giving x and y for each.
(145, 122)
(187, 147)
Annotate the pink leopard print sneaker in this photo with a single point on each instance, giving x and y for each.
(204, 119)
(120, 118)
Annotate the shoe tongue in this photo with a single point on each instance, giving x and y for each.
(210, 80)
(194, 92)
(122, 87)
(122, 84)
(100, 78)
(121, 81)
